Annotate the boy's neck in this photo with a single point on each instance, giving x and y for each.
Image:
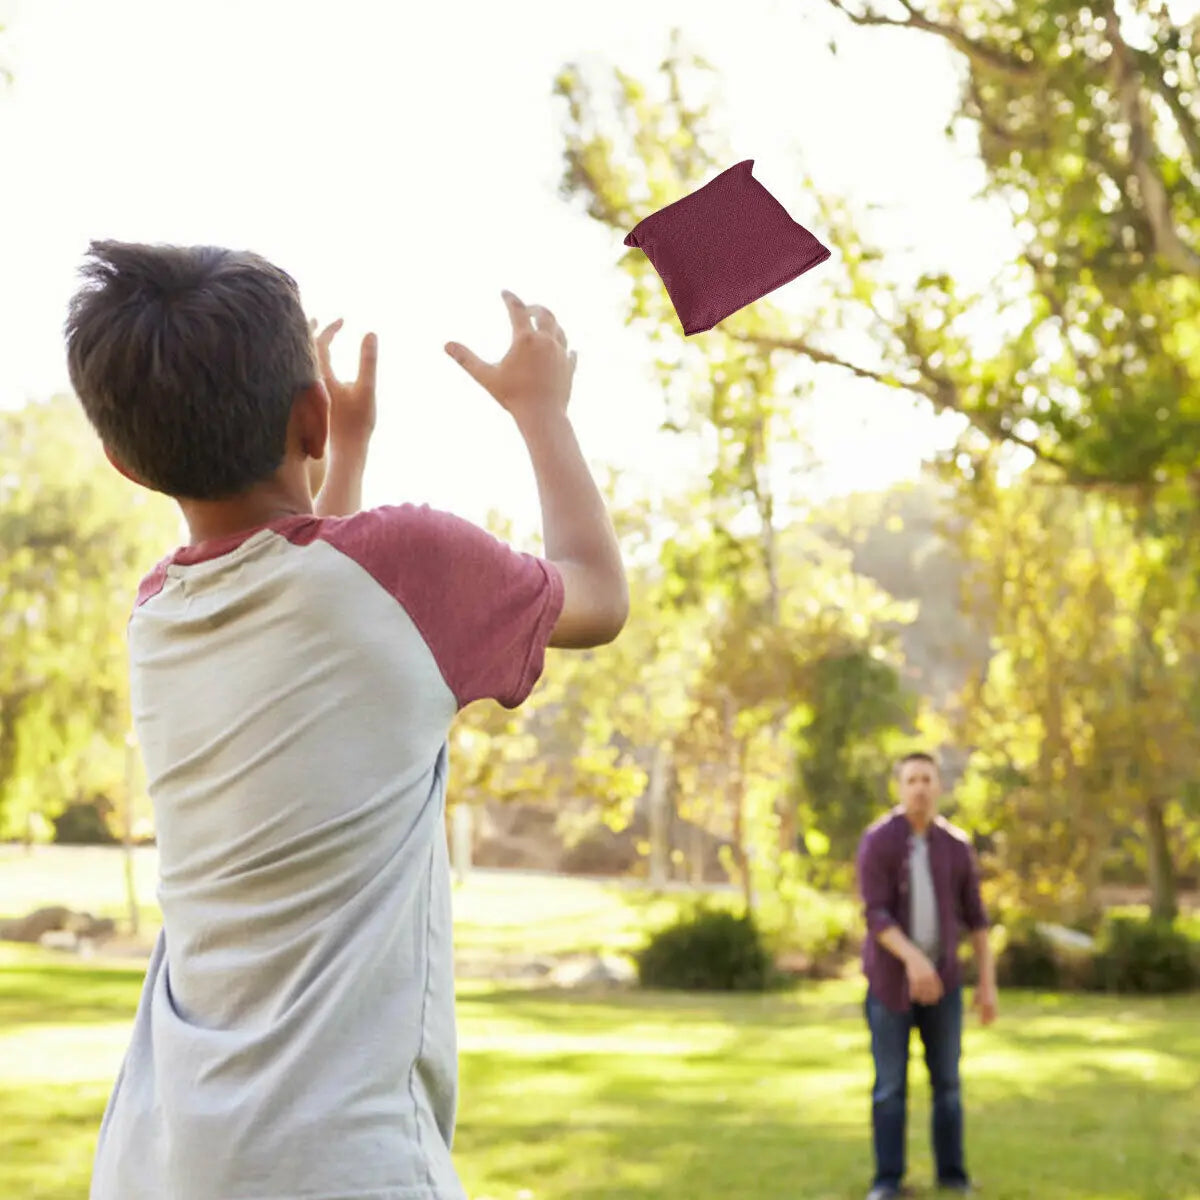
(211, 519)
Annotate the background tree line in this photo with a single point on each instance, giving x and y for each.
(1030, 605)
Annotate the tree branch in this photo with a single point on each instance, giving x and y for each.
(985, 57)
(1189, 131)
(805, 350)
(1127, 82)
(938, 389)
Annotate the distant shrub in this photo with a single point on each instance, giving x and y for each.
(1142, 955)
(83, 824)
(706, 950)
(1027, 959)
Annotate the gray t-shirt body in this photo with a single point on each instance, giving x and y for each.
(925, 932)
(293, 691)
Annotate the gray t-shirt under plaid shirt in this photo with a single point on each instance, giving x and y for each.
(925, 932)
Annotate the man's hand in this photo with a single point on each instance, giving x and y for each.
(985, 993)
(534, 377)
(924, 983)
(986, 1002)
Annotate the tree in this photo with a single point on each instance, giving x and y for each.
(1083, 743)
(847, 743)
(75, 539)
(777, 601)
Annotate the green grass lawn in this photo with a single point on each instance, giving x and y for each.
(647, 1097)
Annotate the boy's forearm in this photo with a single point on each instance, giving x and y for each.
(576, 526)
(341, 493)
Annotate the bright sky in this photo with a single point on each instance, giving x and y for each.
(401, 161)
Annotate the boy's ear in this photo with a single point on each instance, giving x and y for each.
(310, 418)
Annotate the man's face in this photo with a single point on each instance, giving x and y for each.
(920, 787)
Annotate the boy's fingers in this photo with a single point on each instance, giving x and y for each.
(474, 366)
(547, 323)
(326, 336)
(518, 314)
(368, 358)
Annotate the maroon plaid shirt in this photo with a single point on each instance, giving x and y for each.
(883, 881)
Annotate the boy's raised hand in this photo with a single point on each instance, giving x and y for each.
(351, 405)
(535, 376)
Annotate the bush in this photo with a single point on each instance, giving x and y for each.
(1141, 955)
(1027, 959)
(816, 932)
(707, 950)
(83, 824)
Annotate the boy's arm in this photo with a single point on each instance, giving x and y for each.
(340, 486)
(533, 384)
(336, 480)
(578, 535)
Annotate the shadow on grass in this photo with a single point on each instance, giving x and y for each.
(634, 1139)
(761, 1107)
(67, 994)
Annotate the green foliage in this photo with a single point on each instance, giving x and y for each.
(710, 949)
(1083, 722)
(75, 539)
(84, 824)
(816, 932)
(846, 744)
(1146, 956)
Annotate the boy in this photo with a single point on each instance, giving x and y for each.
(295, 671)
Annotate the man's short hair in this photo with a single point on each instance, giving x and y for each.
(187, 361)
(917, 756)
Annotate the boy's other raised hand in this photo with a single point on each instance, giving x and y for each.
(534, 378)
(351, 405)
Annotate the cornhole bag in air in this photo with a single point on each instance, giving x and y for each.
(723, 247)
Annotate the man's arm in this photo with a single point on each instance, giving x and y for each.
(924, 982)
(975, 916)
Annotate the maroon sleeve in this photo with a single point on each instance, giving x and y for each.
(873, 884)
(485, 610)
(974, 914)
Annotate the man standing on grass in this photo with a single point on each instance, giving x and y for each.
(919, 882)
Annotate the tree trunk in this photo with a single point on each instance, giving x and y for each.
(697, 855)
(130, 877)
(462, 840)
(658, 803)
(1164, 903)
(735, 795)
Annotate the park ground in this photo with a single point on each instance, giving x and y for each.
(642, 1096)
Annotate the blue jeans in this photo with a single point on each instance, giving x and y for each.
(940, 1027)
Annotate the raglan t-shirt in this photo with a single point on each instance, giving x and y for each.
(292, 690)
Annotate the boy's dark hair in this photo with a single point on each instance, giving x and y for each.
(187, 360)
(917, 756)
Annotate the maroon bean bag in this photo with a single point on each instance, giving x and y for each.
(724, 246)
